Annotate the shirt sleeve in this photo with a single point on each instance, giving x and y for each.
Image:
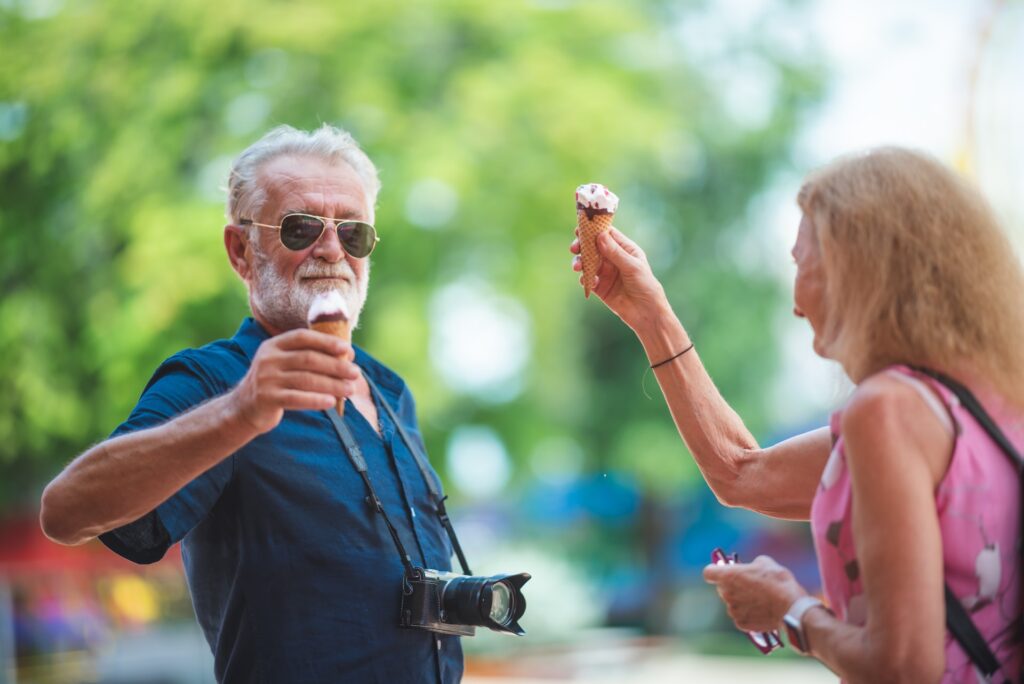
(179, 385)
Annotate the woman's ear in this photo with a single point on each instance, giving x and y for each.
(236, 242)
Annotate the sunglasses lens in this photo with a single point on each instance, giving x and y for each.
(299, 232)
(357, 238)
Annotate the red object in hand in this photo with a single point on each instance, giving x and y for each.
(766, 642)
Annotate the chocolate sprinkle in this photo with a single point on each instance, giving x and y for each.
(591, 211)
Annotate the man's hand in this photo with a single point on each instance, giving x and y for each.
(297, 370)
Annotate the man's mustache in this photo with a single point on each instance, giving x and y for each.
(333, 272)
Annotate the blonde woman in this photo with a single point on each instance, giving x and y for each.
(900, 264)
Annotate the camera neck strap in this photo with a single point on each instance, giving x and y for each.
(355, 454)
(425, 472)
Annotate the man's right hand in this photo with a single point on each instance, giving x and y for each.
(296, 370)
(122, 478)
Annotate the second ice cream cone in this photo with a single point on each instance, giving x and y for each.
(595, 209)
(589, 229)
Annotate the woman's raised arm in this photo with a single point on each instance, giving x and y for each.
(779, 480)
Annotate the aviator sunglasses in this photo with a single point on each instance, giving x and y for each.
(299, 231)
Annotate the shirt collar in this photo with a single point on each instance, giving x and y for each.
(390, 385)
(249, 336)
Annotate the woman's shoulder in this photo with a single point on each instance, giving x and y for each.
(898, 392)
(892, 413)
(881, 397)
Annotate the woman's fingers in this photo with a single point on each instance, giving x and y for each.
(613, 250)
(713, 573)
(621, 261)
(574, 246)
(607, 276)
(625, 242)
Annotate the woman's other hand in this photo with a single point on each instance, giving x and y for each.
(625, 282)
(757, 594)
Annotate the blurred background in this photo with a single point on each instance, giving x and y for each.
(119, 121)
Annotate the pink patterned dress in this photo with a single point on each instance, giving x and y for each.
(978, 504)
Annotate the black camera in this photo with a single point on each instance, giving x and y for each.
(434, 600)
(449, 603)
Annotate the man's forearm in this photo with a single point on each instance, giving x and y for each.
(123, 478)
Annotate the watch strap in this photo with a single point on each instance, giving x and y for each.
(801, 606)
(794, 622)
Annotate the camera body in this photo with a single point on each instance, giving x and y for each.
(449, 603)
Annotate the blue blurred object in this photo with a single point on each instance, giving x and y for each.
(610, 498)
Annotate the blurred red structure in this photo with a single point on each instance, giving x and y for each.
(25, 550)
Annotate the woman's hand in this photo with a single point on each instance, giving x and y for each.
(625, 282)
(756, 595)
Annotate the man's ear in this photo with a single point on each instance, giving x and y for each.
(236, 242)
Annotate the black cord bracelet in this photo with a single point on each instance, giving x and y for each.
(671, 358)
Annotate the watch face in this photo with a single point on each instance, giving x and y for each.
(794, 633)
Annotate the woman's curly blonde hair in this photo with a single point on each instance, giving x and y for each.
(917, 271)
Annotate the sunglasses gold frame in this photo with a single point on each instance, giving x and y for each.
(338, 223)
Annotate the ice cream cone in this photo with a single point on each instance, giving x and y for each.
(338, 329)
(589, 228)
(595, 209)
(328, 314)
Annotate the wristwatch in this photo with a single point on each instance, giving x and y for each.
(793, 621)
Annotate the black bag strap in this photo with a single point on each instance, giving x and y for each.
(958, 621)
(424, 466)
(970, 402)
(967, 635)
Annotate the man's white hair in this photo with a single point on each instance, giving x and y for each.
(329, 143)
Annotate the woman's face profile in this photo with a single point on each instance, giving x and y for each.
(809, 285)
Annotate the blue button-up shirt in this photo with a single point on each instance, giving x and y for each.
(293, 576)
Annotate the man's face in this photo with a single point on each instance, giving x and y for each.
(283, 282)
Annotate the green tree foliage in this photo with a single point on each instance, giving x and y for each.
(118, 121)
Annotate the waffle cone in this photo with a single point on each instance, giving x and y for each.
(340, 329)
(589, 229)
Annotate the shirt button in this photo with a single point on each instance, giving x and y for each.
(438, 644)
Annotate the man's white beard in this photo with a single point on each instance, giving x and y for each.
(284, 304)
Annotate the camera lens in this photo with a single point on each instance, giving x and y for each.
(501, 603)
(495, 602)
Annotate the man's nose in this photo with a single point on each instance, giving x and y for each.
(328, 247)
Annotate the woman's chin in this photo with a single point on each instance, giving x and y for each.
(820, 348)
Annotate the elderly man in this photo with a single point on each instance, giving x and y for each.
(231, 449)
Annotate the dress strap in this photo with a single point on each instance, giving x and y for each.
(931, 398)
